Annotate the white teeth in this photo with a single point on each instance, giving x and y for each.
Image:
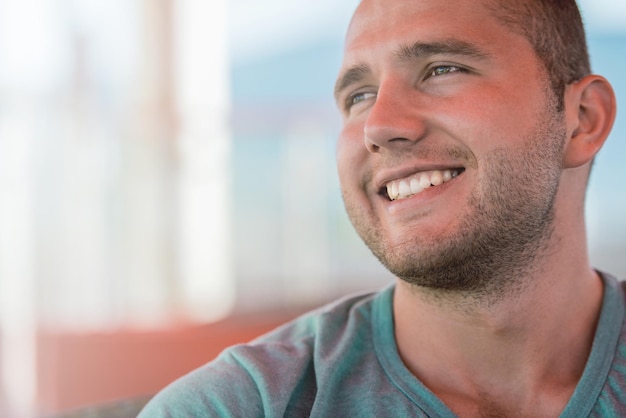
(415, 186)
(404, 188)
(393, 191)
(400, 189)
(436, 179)
(424, 180)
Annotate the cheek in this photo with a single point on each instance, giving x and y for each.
(351, 155)
(490, 117)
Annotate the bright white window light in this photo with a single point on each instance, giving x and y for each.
(202, 90)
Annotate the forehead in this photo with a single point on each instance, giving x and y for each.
(384, 23)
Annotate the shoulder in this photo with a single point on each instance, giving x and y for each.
(275, 372)
(606, 365)
(331, 319)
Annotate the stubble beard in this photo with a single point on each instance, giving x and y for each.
(504, 234)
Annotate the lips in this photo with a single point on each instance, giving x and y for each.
(418, 182)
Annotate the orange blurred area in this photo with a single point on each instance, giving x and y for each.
(81, 370)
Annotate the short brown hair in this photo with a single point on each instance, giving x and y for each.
(556, 32)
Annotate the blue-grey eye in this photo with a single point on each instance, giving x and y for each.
(359, 97)
(443, 70)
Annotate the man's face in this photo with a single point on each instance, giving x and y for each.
(450, 154)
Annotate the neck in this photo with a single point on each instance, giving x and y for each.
(518, 347)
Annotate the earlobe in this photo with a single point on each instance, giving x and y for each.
(590, 108)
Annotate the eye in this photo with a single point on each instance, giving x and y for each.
(357, 98)
(440, 70)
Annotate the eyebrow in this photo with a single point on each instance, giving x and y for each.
(353, 75)
(449, 47)
(412, 52)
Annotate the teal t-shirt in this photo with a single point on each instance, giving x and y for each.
(342, 361)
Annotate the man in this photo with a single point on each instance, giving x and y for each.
(470, 127)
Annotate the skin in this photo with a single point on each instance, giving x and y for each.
(496, 302)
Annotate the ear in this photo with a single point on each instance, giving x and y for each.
(590, 109)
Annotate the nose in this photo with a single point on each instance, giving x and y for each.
(395, 121)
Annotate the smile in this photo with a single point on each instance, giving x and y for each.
(410, 186)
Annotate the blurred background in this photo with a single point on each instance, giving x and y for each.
(168, 186)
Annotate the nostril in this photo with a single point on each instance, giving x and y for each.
(371, 146)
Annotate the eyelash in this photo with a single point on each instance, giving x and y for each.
(436, 71)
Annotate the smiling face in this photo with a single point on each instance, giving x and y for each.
(450, 155)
